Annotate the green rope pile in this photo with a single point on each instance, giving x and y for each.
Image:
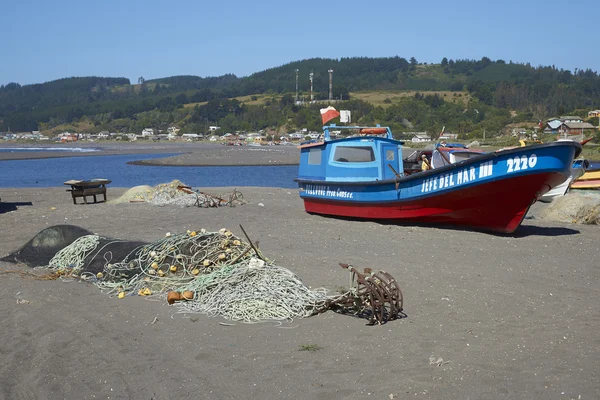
(253, 291)
(71, 259)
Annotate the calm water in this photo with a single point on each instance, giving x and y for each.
(51, 172)
(39, 149)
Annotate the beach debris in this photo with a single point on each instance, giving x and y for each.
(373, 295)
(23, 301)
(439, 361)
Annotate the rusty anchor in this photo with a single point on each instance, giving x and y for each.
(373, 295)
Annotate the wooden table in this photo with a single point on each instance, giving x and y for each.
(83, 189)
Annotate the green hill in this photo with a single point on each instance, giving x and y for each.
(386, 90)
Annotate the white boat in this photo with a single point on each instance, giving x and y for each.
(577, 170)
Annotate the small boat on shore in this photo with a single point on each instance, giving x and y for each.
(363, 176)
(577, 170)
(589, 180)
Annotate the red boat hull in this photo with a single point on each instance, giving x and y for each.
(498, 206)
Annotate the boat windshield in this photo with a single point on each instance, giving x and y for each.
(354, 154)
(437, 160)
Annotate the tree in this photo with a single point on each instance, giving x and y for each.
(413, 63)
(444, 62)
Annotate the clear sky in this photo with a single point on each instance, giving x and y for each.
(43, 40)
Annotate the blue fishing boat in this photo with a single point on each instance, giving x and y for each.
(363, 176)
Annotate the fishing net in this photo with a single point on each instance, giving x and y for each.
(577, 207)
(212, 273)
(176, 193)
(43, 246)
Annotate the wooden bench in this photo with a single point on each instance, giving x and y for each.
(83, 189)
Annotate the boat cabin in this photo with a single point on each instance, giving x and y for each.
(372, 155)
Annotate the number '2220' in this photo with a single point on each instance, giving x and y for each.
(521, 163)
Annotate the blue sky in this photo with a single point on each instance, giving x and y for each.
(43, 40)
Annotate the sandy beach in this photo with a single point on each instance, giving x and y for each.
(512, 317)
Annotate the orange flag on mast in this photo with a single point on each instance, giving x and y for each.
(329, 113)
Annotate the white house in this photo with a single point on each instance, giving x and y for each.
(213, 128)
(191, 136)
(148, 132)
(419, 138)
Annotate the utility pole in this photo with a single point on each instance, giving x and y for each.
(310, 77)
(330, 84)
(297, 70)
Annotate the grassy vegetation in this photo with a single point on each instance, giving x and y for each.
(385, 98)
(251, 99)
(82, 126)
(310, 347)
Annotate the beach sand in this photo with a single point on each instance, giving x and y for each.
(512, 317)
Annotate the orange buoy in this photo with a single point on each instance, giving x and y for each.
(173, 296)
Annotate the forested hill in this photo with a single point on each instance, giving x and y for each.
(533, 92)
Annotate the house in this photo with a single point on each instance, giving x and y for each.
(420, 138)
(191, 136)
(68, 137)
(213, 128)
(254, 138)
(552, 126)
(297, 135)
(173, 130)
(570, 118)
(148, 132)
(594, 113)
(577, 128)
(568, 125)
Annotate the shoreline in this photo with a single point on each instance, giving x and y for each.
(188, 154)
